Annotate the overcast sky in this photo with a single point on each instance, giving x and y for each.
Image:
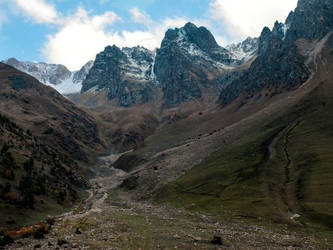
(72, 32)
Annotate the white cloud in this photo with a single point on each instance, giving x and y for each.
(81, 36)
(39, 10)
(248, 17)
(140, 17)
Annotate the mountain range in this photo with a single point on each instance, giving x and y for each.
(240, 133)
(133, 75)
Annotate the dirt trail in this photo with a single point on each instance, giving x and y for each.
(288, 193)
(290, 182)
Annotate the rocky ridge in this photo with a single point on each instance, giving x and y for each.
(279, 65)
(188, 62)
(126, 74)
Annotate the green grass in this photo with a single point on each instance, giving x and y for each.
(230, 180)
(240, 179)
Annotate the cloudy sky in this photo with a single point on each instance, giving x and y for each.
(71, 32)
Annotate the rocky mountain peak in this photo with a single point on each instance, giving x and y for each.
(264, 39)
(189, 61)
(279, 30)
(289, 19)
(311, 19)
(279, 62)
(202, 37)
(80, 75)
(126, 74)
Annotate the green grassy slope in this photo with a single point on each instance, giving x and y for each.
(280, 168)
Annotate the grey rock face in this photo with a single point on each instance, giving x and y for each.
(205, 41)
(279, 63)
(279, 30)
(279, 66)
(312, 19)
(79, 76)
(264, 40)
(126, 74)
(188, 61)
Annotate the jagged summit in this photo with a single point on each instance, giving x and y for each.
(126, 74)
(311, 19)
(188, 62)
(198, 42)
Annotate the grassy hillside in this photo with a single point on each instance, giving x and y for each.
(35, 179)
(48, 115)
(281, 168)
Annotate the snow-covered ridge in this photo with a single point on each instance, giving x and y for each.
(194, 51)
(243, 51)
(55, 75)
(140, 63)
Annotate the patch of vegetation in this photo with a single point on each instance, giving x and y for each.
(5, 239)
(229, 180)
(297, 177)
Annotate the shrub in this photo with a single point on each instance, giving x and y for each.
(7, 188)
(38, 235)
(50, 221)
(42, 227)
(27, 191)
(4, 149)
(5, 240)
(8, 160)
(61, 242)
(40, 186)
(9, 174)
(28, 165)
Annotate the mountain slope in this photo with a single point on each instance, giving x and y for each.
(265, 154)
(280, 168)
(279, 165)
(35, 179)
(47, 114)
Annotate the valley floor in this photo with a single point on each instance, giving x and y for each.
(109, 219)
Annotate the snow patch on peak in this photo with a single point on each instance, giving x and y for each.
(243, 51)
(55, 75)
(285, 28)
(67, 86)
(139, 63)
